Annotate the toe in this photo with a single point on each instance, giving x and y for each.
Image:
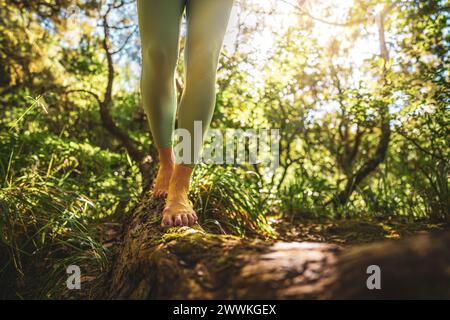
(191, 219)
(178, 221)
(166, 221)
(185, 219)
(160, 194)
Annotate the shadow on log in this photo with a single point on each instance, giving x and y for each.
(188, 263)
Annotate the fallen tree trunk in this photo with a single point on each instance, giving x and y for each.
(412, 268)
(188, 263)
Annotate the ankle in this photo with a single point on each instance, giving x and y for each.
(182, 174)
(166, 158)
(180, 181)
(166, 165)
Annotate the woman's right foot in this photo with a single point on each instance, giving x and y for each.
(161, 187)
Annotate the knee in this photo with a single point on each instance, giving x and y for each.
(203, 63)
(161, 61)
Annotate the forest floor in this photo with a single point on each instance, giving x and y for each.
(343, 232)
(354, 231)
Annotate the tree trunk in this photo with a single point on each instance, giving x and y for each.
(413, 268)
(187, 263)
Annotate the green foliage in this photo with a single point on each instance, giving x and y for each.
(231, 201)
(104, 177)
(62, 171)
(41, 222)
(53, 190)
(334, 113)
(305, 196)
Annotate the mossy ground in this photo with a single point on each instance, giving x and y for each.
(352, 231)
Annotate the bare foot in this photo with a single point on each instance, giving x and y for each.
(161, 186)
(179, 211)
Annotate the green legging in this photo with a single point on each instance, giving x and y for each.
(159, 22)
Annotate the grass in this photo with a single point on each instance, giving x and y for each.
(229, 201)
(42, 231)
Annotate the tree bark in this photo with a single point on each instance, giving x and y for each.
(189, 263)
(413, 268)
